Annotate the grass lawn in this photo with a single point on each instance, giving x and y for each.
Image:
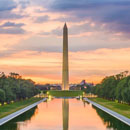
(122, 109)
(13, 107)
(65, 93)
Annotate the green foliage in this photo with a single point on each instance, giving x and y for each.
(10, 96)
(14, 88)
(87, 89)
(2, 96)
(116, 87)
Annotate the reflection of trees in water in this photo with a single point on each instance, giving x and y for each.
(110, 121)
(13, 125)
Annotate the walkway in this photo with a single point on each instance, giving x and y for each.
(112, 113)
(19, 112)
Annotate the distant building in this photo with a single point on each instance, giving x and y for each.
(83, 82)
(75, 87)
(82, 85)
(48, 86)
(55, 87)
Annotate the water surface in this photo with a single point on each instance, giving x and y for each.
(65, 114)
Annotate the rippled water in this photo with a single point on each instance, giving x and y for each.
(65, 114)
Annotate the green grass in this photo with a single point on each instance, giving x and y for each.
(13, 107)
(122, 109)
(65, 93)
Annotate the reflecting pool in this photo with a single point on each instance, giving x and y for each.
(65, 114)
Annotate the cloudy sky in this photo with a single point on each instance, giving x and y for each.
(31, 38)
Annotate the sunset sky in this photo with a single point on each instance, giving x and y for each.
(31, 38)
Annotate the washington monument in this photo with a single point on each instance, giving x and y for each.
(65, 70)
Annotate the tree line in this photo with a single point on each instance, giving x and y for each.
(13, 88)
(116, 87)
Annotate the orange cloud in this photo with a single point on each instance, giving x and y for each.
(46, 67)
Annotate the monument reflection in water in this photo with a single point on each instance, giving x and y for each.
(65, 113)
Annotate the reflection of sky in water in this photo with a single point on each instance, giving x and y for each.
(62, 113)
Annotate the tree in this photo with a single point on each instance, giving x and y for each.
(116, 87)
(2, 96)
(121, 89)
(10, 96)
(14, 87)
(109, 86)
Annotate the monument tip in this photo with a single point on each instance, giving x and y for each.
(65, 25)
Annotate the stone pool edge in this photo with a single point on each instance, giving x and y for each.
(110, 112)
(19, 112)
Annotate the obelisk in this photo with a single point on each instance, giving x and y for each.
(65, 70)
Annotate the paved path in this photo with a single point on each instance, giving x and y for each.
(112, 113)
(19, 112)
